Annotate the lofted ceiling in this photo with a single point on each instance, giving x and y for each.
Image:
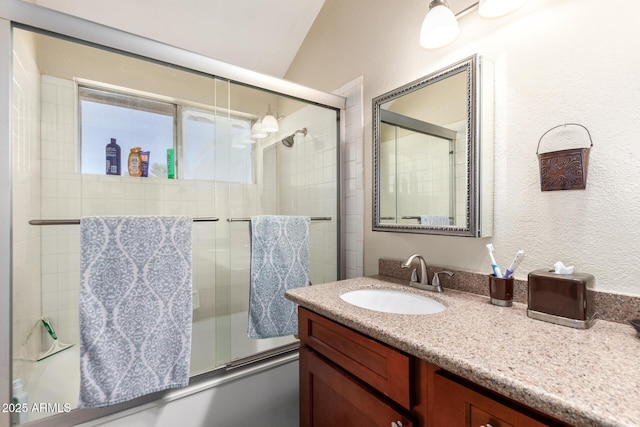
(260, 35)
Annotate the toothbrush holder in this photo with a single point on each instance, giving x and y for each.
(501, 291)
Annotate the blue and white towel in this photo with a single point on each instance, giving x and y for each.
(279, 262)
(135, 307)
(434, 220)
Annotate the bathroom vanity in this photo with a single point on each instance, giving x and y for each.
(347, 378)
(472, 365)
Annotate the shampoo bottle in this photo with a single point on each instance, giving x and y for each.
(112, 151)
(134, 164)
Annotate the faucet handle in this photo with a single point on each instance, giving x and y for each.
(414, 275)
(436, 279)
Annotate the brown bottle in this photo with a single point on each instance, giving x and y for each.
(134, 163)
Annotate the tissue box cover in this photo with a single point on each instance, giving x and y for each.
(561, 298)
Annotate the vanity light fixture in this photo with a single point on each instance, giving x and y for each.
(269, 122)
(256, 130)
(440, 26)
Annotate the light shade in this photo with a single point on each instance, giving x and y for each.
(269, 124)
(495, 8)
(440, 26)
(257, 132)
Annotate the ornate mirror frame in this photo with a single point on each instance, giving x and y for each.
(479, 144)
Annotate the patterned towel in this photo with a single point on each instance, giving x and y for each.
(279, 261)
(135, 307)
(434, 220)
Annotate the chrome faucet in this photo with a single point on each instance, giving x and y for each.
(423, 281)
(436, 279)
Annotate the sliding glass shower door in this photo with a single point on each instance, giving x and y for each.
(71, 100)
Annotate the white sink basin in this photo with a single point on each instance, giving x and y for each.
(393, 301)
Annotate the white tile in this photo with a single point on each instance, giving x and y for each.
(69, 281)
(65, 95)
(114, 190)
(135, 207)
(48, 93)
(134, 191)
(49, 302)
(49, 283)
(93, 207)
(152, 207)
(171, 193)
(67, 300)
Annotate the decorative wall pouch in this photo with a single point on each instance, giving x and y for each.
(564, 169)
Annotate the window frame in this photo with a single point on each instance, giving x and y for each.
(155, 103)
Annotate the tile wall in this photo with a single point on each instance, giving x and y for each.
(307, 176)
(26, 197)
(352, 178)
(304, 175)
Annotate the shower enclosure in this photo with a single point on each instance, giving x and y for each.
(69, 100)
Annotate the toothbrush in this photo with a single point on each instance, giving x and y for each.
(514, 264)
(494, 264)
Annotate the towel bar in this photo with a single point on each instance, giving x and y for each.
(313, 218)
(77, 221)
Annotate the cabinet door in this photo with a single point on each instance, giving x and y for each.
(453, 404)
(384, 368)
(329, 397)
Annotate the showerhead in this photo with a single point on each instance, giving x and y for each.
(288, 141)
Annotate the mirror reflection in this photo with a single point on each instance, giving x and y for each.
(424, 154)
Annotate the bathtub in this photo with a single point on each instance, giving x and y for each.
(55, 381)
(237, 345)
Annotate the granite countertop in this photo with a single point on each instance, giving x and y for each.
(584, 377)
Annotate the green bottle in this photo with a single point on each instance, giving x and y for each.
(171, 163)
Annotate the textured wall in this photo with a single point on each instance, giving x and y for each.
(556, 62)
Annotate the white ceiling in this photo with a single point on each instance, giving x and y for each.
(260, 35)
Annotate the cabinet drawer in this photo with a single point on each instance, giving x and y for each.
(382, 367)
(454, 404)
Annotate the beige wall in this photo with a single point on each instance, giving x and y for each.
(556, 62)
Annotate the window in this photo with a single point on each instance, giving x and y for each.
(216, 147)
(209, 146)
(132, 122)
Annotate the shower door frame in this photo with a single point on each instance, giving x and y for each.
(21, 14)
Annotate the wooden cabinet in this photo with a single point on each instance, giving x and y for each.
(349, 379)
(330, 397)
(456, 402)
(378, 365)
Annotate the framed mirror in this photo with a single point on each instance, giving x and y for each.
(433, 153)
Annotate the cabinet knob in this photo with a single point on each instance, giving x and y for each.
(396, 423)
(486, 425)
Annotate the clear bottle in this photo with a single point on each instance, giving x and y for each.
(112, 154)
(134, 163)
